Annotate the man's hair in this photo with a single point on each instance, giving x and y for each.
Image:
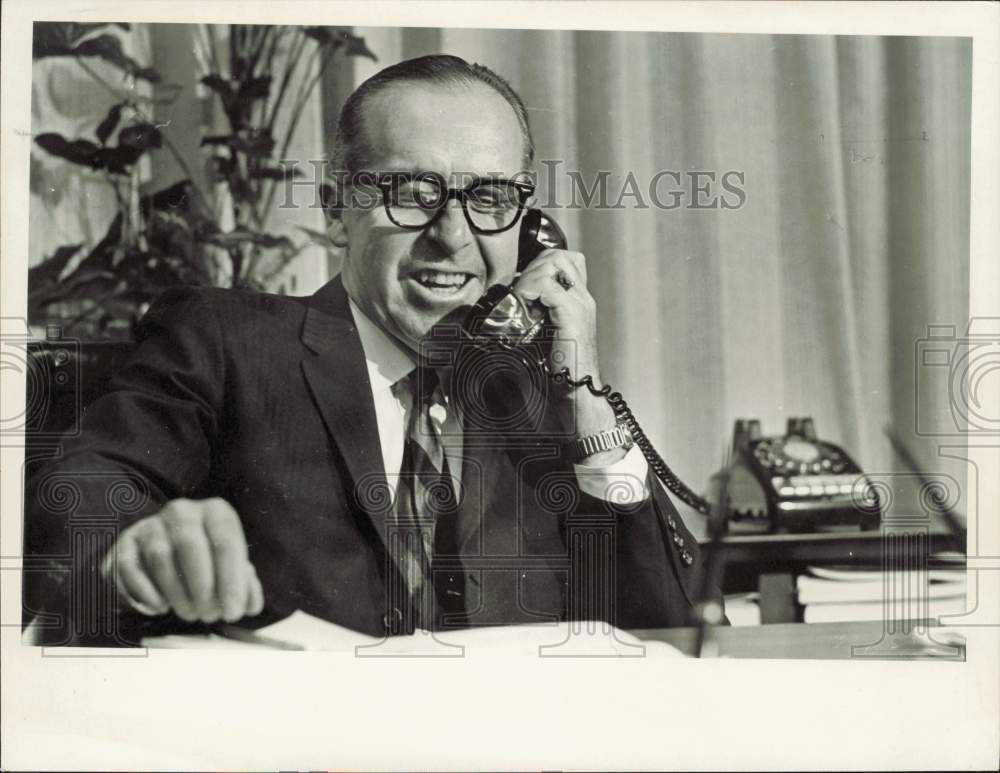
(352, 151)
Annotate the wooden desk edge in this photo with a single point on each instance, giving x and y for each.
(859, 640)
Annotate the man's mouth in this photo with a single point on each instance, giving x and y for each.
(442, 283)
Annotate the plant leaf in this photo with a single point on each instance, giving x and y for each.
(83, 152)
(255, 142)
(49, 39)
(356, 47)
(140, 135)
(110, 123)
(56, 38)
(109, 48)
(80, 284)
(177, 197)
(117, 160)
(219, 85)
(47, 272)
(320, 34)
(256, 88)
(242, 236)
(275, 172)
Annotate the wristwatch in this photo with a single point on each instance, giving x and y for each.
(619, 437)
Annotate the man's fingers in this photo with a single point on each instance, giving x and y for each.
(255, 592)
(131, 580)
(193, 557)
(229, 555)
(158, 559)
(551, 262)
(551, 293)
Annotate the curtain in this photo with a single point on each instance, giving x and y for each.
(811, 298)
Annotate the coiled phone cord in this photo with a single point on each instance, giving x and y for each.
(674, 484)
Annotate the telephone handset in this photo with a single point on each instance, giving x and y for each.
(500, 320)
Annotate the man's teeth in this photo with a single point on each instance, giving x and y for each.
(441, 279)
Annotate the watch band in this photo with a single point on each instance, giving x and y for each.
(619, 437)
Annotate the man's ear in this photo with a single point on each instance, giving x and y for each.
(329, 199)
(337, 233)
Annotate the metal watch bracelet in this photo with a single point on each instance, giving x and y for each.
(619, 437)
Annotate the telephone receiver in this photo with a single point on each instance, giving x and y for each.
(500, 316)
(539, 232)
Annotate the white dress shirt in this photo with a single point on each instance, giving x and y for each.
(623, 482)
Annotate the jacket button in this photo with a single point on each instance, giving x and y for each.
(671, 522)
(393, 620)
(687, 558)
(678, 540)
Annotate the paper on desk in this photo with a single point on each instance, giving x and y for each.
(853, 574)
(569, 639)
(872, 610)
(314, 633)
(895, 585)
(561, 640)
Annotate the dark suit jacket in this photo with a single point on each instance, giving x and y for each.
(264, 400)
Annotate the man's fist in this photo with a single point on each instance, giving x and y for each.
(191, 557)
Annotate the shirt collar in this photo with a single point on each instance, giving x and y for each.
(387, 360)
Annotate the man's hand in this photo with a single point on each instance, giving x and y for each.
(191, 557)
(557, 279)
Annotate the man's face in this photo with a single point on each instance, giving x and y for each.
(407, 280)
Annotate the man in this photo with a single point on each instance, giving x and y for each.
(281, 452)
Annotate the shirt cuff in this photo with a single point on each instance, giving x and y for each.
(621, 483)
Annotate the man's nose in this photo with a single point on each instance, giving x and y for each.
(451, 229)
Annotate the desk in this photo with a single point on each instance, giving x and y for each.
(820, 641)
(852, 547)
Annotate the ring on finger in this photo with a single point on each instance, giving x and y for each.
(565, 280)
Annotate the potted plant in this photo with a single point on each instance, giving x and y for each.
(259, 74)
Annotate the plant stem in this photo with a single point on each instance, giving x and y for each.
(122, 207)
(307, 88)
(291, 64)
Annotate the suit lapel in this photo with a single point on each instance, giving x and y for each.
(337, 375)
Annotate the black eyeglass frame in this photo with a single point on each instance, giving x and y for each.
(386, 183)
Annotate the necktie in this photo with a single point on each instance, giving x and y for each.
(425, 503)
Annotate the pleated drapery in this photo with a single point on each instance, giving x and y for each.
(811, 298)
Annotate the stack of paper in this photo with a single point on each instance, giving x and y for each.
(836, 595)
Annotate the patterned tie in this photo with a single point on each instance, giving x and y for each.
(425, 500)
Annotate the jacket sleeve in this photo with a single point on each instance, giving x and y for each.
(144, 442)
(639, 556)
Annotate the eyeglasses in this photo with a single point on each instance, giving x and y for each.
(491, 204)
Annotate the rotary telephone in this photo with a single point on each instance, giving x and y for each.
(794, 482)
(500, 321)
